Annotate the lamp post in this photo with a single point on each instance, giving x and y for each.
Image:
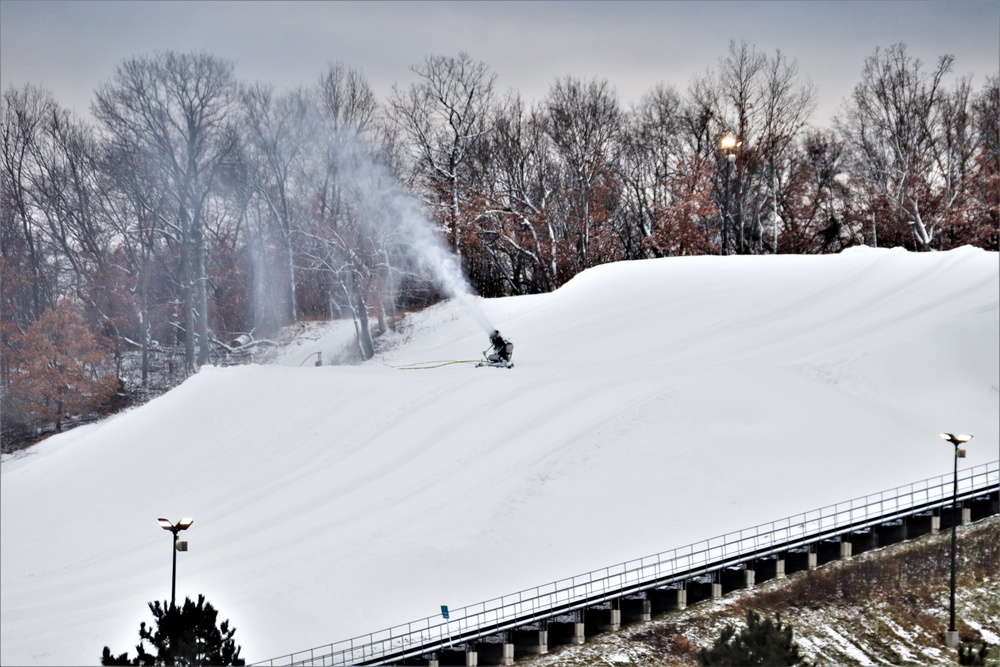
(951, 635)
(728, 143)
(183, 524)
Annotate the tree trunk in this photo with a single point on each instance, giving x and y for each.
(364, 332)
(202, 295)
(187, 288)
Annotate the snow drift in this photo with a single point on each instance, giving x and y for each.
(653, 404)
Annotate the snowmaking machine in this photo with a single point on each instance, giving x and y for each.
(499, 354)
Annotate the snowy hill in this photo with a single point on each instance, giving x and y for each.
(652, 404)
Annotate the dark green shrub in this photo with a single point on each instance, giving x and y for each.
(762, 642)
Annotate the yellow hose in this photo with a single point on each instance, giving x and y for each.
(307, 358)
(436, 364)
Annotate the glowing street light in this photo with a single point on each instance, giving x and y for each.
(183, 524)
(951, 635)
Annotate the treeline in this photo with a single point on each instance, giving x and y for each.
(192, 208)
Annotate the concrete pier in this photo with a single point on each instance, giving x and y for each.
(698, 591)
(533, 642)
(829, 550)
(603, 620)
(636, 609)
(495, 654)
(798, 560)
(668, 599)
(735, 578)
(567, 631)
(457, 656)
(770, 567)
(920, 524)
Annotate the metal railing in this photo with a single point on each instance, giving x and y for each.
(559, 597)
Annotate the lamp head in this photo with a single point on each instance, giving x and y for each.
(955, 439)
(183, 524)
(727, 142)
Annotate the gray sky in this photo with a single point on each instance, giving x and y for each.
(71, 47)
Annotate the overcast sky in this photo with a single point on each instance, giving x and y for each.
(71, 47)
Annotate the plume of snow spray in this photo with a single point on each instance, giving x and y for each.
(384, 207)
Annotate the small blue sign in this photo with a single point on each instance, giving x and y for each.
(444, 611)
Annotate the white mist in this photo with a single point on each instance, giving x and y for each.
(386, 208)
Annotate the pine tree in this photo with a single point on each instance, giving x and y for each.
(762, 642)
(185, 635)
(108, 659)
(967, 655)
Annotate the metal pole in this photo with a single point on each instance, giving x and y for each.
(725, 213)
(173, 576)
(954, 522)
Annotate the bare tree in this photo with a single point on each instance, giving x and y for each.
(585, 124)
(984, 220)
(179, 108)
(446, 115)
(134, 200)
(28, 285)
(517, 240)
(652, 150)
(279, 133)
(23, 112)
(349, 240)
(817, 215)
(764, 105)
(788, 105)
(893, 124)
(64, 188)
(60, 193)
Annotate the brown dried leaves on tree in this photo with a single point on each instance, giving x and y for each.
(57, 372)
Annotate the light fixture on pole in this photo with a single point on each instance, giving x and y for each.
(951, 634)
(728, 143)
(183, 524)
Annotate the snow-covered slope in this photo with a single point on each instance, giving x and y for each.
(652, 404)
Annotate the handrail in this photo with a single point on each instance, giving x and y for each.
(558, 597)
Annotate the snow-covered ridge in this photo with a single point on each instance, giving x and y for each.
(653, 404)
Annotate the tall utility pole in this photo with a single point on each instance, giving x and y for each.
(951, 635)
(728, 143)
